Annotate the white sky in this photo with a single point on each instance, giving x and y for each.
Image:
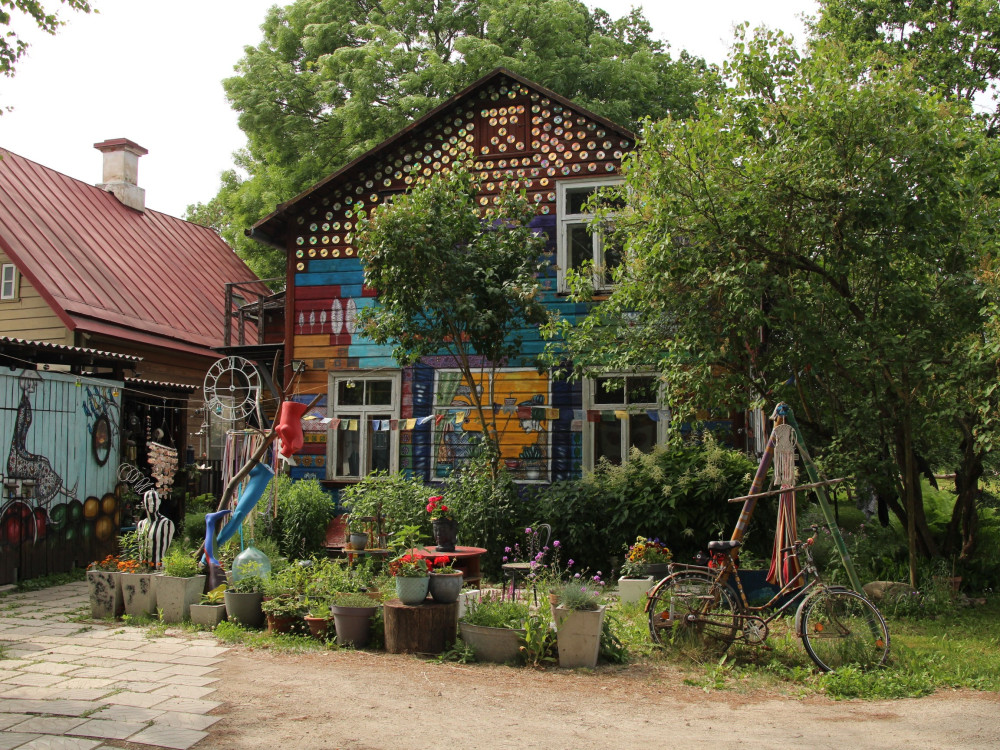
(152, 70)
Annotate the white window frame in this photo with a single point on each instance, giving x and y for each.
(9, 278)
(565, 221)
(334, 410)
(590, 386)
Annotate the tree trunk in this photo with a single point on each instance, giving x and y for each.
(920, 542)
(427, 628)
(961, 535)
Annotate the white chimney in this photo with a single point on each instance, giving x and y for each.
(121, 171)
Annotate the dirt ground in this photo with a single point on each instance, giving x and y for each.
(364, 701)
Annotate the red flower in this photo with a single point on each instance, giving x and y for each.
(441, 560)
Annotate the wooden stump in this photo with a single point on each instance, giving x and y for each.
(427, 628)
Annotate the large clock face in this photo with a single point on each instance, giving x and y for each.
(231, 388)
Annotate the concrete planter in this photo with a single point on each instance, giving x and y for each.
(578, 634)
(175, 595)
(106, 599)
(631, 590)
(497, 645)
(208, 615)
(139, 593)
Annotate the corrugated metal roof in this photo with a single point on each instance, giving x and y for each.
(159, 385)
(45, 345)
(96, 261)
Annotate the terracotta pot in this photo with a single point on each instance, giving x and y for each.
(318, 626)
(280, 623)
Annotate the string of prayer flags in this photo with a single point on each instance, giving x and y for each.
(425, 420)
(621, 414)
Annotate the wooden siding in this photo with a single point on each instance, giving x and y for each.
(29, 316)
(68, 516)
(513, 133)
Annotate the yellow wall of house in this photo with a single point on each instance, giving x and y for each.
(30, 317)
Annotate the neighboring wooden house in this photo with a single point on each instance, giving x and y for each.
(387, 417)
(87, 268)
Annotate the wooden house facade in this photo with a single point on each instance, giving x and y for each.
(419, 419)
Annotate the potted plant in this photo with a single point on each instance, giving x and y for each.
(578, 614)
(358, 534)
(652, 554)
(494, 628)
(284, 592)
(136, 576)
(445, 582)
(282, 612)
(243, 600)
(105, 588)
(443, 522)
(352, 616)
(180, 586)
(410, 568)
(212, 609)
(633, 583)
(318, 617)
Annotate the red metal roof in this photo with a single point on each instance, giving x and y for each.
(104, 267)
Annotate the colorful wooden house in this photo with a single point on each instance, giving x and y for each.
(378, 416)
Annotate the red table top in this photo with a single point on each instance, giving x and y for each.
(459, 552)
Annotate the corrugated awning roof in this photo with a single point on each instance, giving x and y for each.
(21, 352)
(94, 259)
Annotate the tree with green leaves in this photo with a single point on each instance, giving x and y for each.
(451, 281)
(952, 45)
(11, 45)
(818, 237)
(333, 78)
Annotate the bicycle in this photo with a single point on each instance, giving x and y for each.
(837, 625)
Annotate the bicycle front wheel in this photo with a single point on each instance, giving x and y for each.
(692, 608)
(840, 627)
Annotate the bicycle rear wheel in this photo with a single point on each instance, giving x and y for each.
(691, 608)
(840, 627)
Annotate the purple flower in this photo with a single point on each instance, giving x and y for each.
(527, 530)
(556, 543)
(506, 549)
(569, 563)
(505, 558)
(576, 575)
(539, 556)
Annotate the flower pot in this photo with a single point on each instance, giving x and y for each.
(631, 590)
(445, 587)
(359, 541)
(657, 570)
(208, 615)
(412, 591)
(317, 626)
(280, 623)
(245, 608)
(445, 534)
(175, 595)
(139, 593)
(106, 598)
(497, 645)
(353, 625)
(578, 635)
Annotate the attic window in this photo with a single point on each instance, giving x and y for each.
(8, 282)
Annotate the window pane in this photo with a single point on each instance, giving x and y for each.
(608, 441)
(350, 392)
(642, 432)
(378, 393)
(378, 445)
(581, 245)
(612, 257)
(348, 458)
(575, 199)
(609, 391)
(641, 390)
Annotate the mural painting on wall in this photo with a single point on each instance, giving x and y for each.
(520, 403)
(62, 436)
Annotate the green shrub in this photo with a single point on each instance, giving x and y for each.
(676, 493)
(181, 563)
(304, 512)
(394, 497)
(492, 612)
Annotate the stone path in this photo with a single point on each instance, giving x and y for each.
(71, 684)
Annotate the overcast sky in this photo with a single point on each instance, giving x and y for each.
(152, 71)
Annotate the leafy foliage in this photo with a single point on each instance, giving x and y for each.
(11, 45)
(333, 78)
(304, 511)
(394, 497)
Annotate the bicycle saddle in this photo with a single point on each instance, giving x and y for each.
(724, 546)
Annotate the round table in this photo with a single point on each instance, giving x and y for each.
(465, 559)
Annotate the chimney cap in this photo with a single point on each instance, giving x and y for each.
(120, 144)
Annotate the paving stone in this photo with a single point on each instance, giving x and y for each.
(87, 683)
(61, 743)
(164, 735)
(189, 705)
(57, 707)
(48, 724)
(141, 700)
(34, 680)
(129, 713)
(195, 661)
(9, 720)
(184, 691)
(138, 687)
(50, 667)
(187, 679)
(10, 740)
(108, 729)
(55, 693)
(188, 721)
(187, 669)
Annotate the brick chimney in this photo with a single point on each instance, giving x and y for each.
(121, 171)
